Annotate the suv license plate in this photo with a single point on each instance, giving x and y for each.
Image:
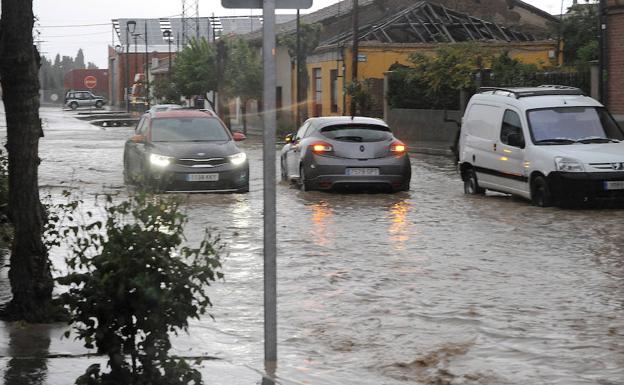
(202, 177)
(362, 171)
(614, 185)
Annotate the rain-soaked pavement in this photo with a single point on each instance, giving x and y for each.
(424, 287)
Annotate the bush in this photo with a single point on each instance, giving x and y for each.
(131, 283)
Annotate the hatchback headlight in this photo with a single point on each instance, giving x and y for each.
(238, 159)
(568, 165)
(160, 160)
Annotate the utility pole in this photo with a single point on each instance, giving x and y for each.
(354, 52)
(298, 72)
(147, 67)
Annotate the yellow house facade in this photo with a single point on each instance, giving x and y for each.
(329, 69)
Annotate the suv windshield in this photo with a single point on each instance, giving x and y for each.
(567, 125)
(188, 130)
(357, 133)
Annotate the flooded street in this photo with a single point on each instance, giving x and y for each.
(424, 287)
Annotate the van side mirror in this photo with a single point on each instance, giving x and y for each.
(515, 140)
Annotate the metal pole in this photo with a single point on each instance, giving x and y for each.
(169, 70)
(127, 65)
(298, 72)
(354, 52)
(270, 276)
(147, 80)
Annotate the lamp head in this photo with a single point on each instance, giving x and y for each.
(131, 25)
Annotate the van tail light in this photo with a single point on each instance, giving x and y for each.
(398, 148)
(322, 148)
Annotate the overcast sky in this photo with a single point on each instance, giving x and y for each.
(94, 39)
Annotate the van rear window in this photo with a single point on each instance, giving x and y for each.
(357, 133)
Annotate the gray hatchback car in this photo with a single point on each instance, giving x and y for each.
(345, 152)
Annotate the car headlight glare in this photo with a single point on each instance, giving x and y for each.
(568, 165)
(238, 159)
(160, 160)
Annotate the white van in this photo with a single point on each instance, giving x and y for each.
(549, 144)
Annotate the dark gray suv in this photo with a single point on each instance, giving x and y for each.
(186, 151)
(75, 99)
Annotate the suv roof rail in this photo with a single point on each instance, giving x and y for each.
(546, 89)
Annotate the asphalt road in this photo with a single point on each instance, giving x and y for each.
(424, 287)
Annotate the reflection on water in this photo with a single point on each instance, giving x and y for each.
(399, 233)
(321, 218)
(28, 347)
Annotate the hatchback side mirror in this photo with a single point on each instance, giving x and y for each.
(239, 136)
(138, 138)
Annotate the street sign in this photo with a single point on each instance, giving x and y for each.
(90, 81)
(279, 4)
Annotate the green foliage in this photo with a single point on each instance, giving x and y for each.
(360, 95)
(580, 31)
(243, 70)
(309, 39)
(512, 72)
(132, 283)
(166, 90)
(194, 70)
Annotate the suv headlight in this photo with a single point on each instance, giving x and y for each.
(568, 165)
(160, 160)
(238, 159)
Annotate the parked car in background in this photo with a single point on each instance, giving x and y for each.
(185, 151)
(549, 144)
(331, 152)
(75, 99)
(164, 107)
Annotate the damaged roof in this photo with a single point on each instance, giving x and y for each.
(426, 22)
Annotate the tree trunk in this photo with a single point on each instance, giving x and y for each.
(30, 276)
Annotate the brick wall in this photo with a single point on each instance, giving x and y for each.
(615, 56)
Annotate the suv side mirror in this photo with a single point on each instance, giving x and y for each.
(239, 136)
(138, 138)
(515, 140)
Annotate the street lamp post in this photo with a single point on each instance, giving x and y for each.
(130, 26)
(167, 35)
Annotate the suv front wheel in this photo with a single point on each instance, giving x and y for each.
(73, 105)
(99, 104)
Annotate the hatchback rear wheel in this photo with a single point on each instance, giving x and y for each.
(304, 185)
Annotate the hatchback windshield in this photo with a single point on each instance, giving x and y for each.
(188, 130)
(357, 133)
(567, 125)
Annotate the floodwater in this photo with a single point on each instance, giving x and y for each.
(424, 287)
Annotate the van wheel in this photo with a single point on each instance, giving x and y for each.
(540, 192)
(471, 186)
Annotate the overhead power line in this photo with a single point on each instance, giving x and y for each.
(74, 25)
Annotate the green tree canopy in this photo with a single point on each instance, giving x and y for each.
(580, 31)
(194, 70)
(243, 70)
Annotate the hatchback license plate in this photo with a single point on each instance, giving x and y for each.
(202, 177)
(614, 185)
(362, 171)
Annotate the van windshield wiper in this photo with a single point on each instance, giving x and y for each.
(597, 139)
(555, 141)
